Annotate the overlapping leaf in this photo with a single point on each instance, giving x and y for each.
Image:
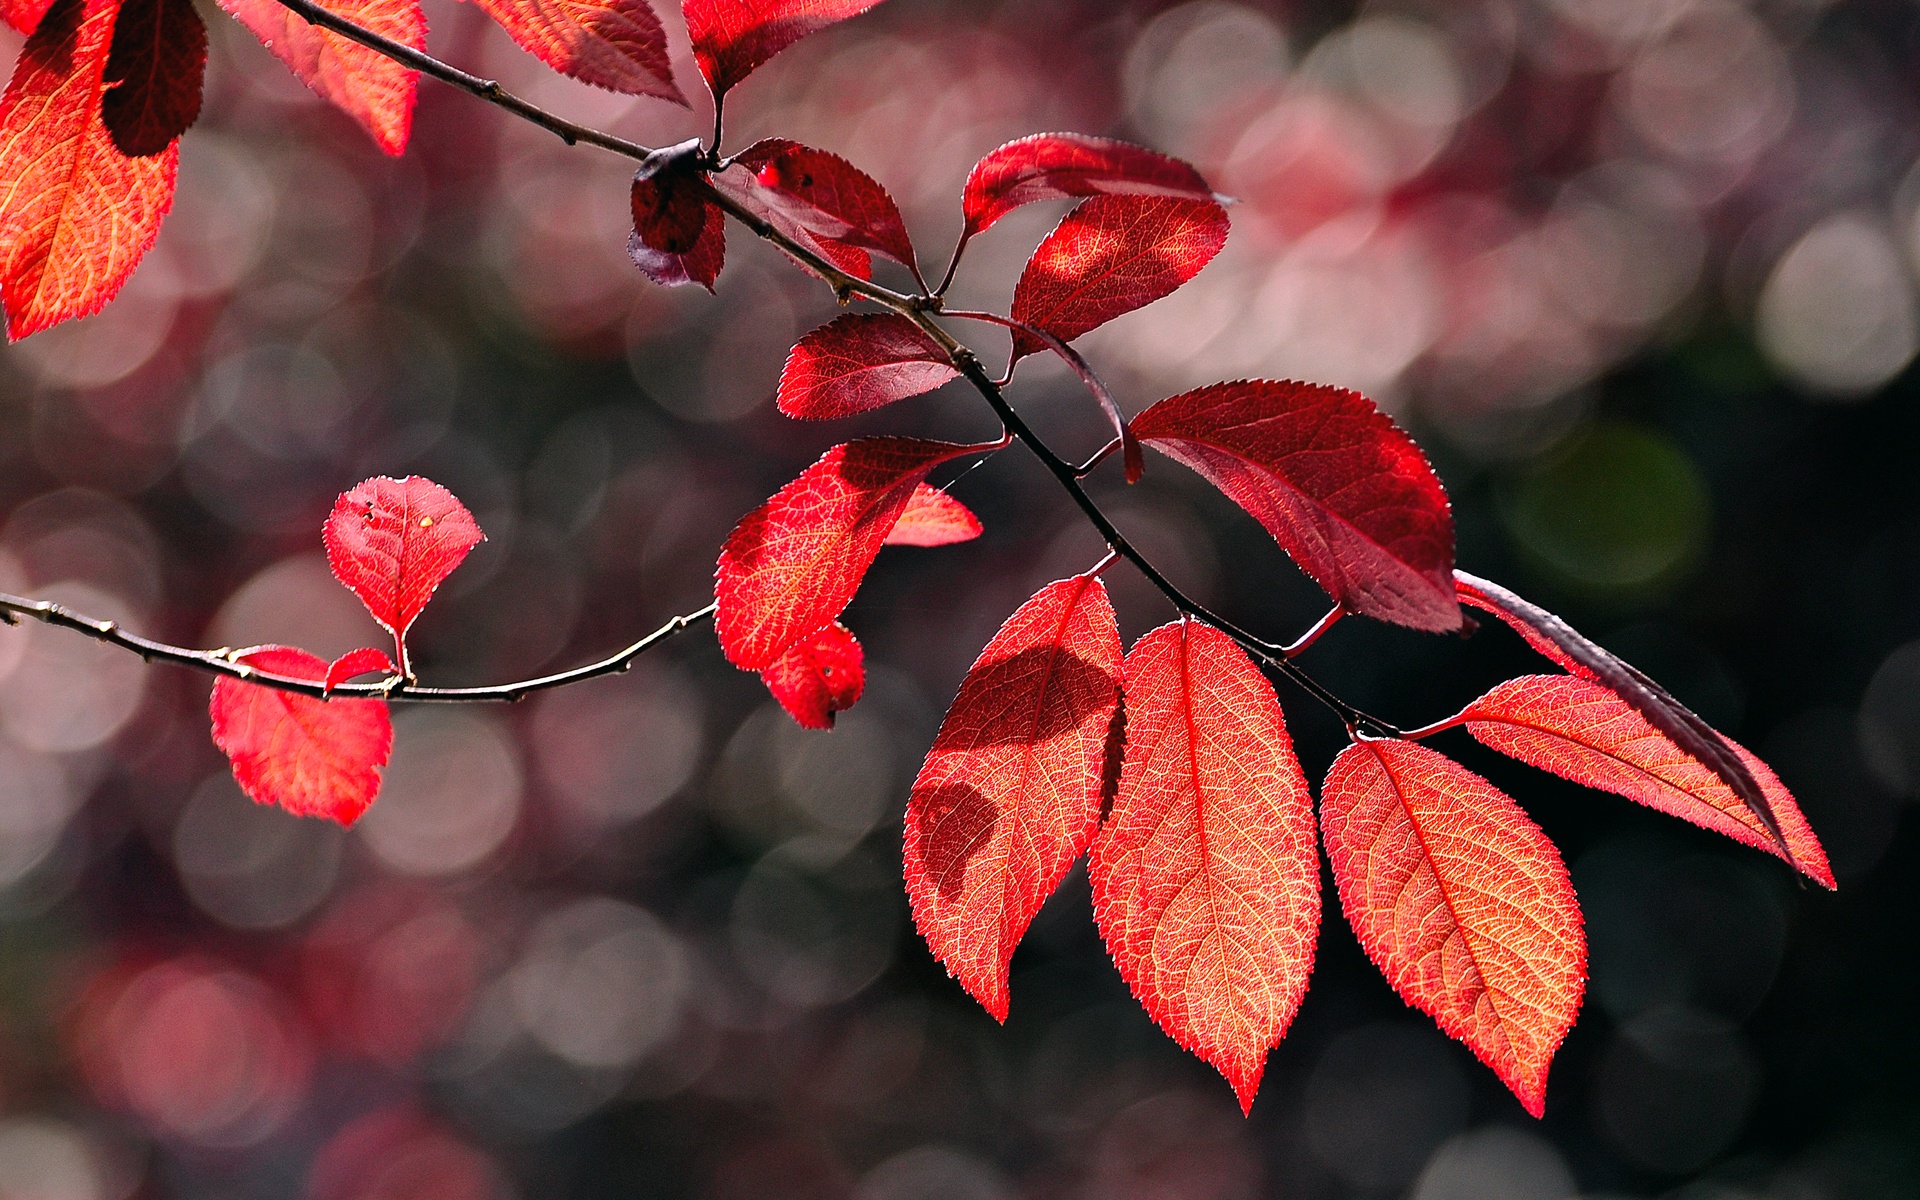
(311, 757)
(1206, 883)
(23, 16)
(619, 45)
(821, 200)
(392, 541)
(733, 38)
(1010, 794)
(363, 83)
(1462, 903)
(76, 214)
(364, 661)
(1347, 494)
(679, 235)
(933, 518)
(820, 677)
(860, 362)
(155, 67)
(1055, 166)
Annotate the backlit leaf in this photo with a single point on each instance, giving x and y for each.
(1206, 884)
(1055, 166)
(614, 44)
(819, 195)
(818, 678)
(391, 541)
(154, 71)
(1462, 903)
(365, 84)
(364, 661)
(679, 235)
(933, 518)
(1010, 794)
(860, 362)
(1347, 494)
(23, 16)
(732, 38)
(314, 758)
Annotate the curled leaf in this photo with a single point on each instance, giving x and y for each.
(1056, 166)
(818, 678)
(679, 235)
(364, 661)
(933, 518)
(733, 38)
(820, 199)
(314, 758)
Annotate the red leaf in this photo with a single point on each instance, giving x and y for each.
(1111, 255)
(860, 362)
(313, 758)
(679, 236)
(1010, 793)
(1567, 646)
(732, 38)
(391, 541)
(818, 678)
(154, 68)
(1338, 485)
(1055, 166)
(1462, 903)
(1206, 884)
(790, 566)
(23, 15)
(363, 661)
(1585, 732)
(933, 518)
(822, 198)
(614, 44)
(76, 214)
(365, 84)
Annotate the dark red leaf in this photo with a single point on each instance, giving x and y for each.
(154, 71)
(933, 518)
(615, 44)
(1010, 793)
(860, 362)
(361, 82)
(679, 236)
(1462, 903)
(314, 758)
(819, 196)
(1055, 166)
(818, 678)
(364, 661)
(1347, 494)
(732, 38)
(391, 542)
(1206, 884)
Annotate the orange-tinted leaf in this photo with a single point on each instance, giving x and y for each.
(1111, 255)
(76, 214)
(1339, 486)
(820, 197)
(790, 566)
(933, 518)
(859, 362)
(732, 38)
(1462, 903)
(365, 84)
(679, 236)
(818, 678)
(391, 541)
(1585, 732)
(314, 758)
(154, 72)
(614, 44)
(1206, 885)
(364, 661)
(1054, 166)
(1010, 793)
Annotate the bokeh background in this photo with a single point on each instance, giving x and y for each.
(1640, 273)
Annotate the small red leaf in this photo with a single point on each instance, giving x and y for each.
(154, 71)
(933, 518)
(1206, 884)
(818, 678)
(391, 541)
(361, 82)
(363, 661)
(76, 215)
(1111, 255)
(1055, 166)
(313, 758)
(1339, 486)
(614, 44)
(1010, 793)
(860, 362)
(790, 566)
(1585, 732)
(820, 197)
(679, 236)
(732, 38)
(1462, 903)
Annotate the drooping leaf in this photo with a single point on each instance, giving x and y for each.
(679, 235)
(860, 362)
(1206, 884)
(790, 566)
(23, 16)
(76, 214)
(1573, 650)
(619, 45)
(314, 758)
(1347, 494)
(364, 661)
(157, 61)
(821, 197)
(391, 542)
(933, 518)
(1462, 903)
(365, 84)
(1055, 166)
(1010, 794)
(733, 38)
(1111, 255)
(818, 678)
(1584, 731)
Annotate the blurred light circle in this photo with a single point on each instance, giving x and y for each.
(933, 1173)
(252, 865)
(1617, 267)
(37, 799)
(1493, 1163)
(399, 1154)
(600, 984)
(1838, 313)
(296, 602)
(1890, 722)
(450, 796)
(111, 344)
(617, 751)
(1175, 1144)
(1405, 69)
(46, 1159)
(1675, 1088)
(70, 692)
(777, 779)
(389, 972)
(222, 216)
(1190, 61)
(1380, 1099)
(813, 939)
(1715, 88)
(283, 401)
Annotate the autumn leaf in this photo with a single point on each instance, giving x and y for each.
(1206, 884)
(733, 38)
(860, 362)
(364, 661)
(1010, 794)
(155, 67)
(23, 16)
(818, 678)
(76, 215)
(314, 758)
(1111, 255)
(933, 518)
(820, 199)
(1056, 166)
(361, 82)
(619, 45)
(1462, 903)
(1347, 494)
(392, 541)
(679, 235)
